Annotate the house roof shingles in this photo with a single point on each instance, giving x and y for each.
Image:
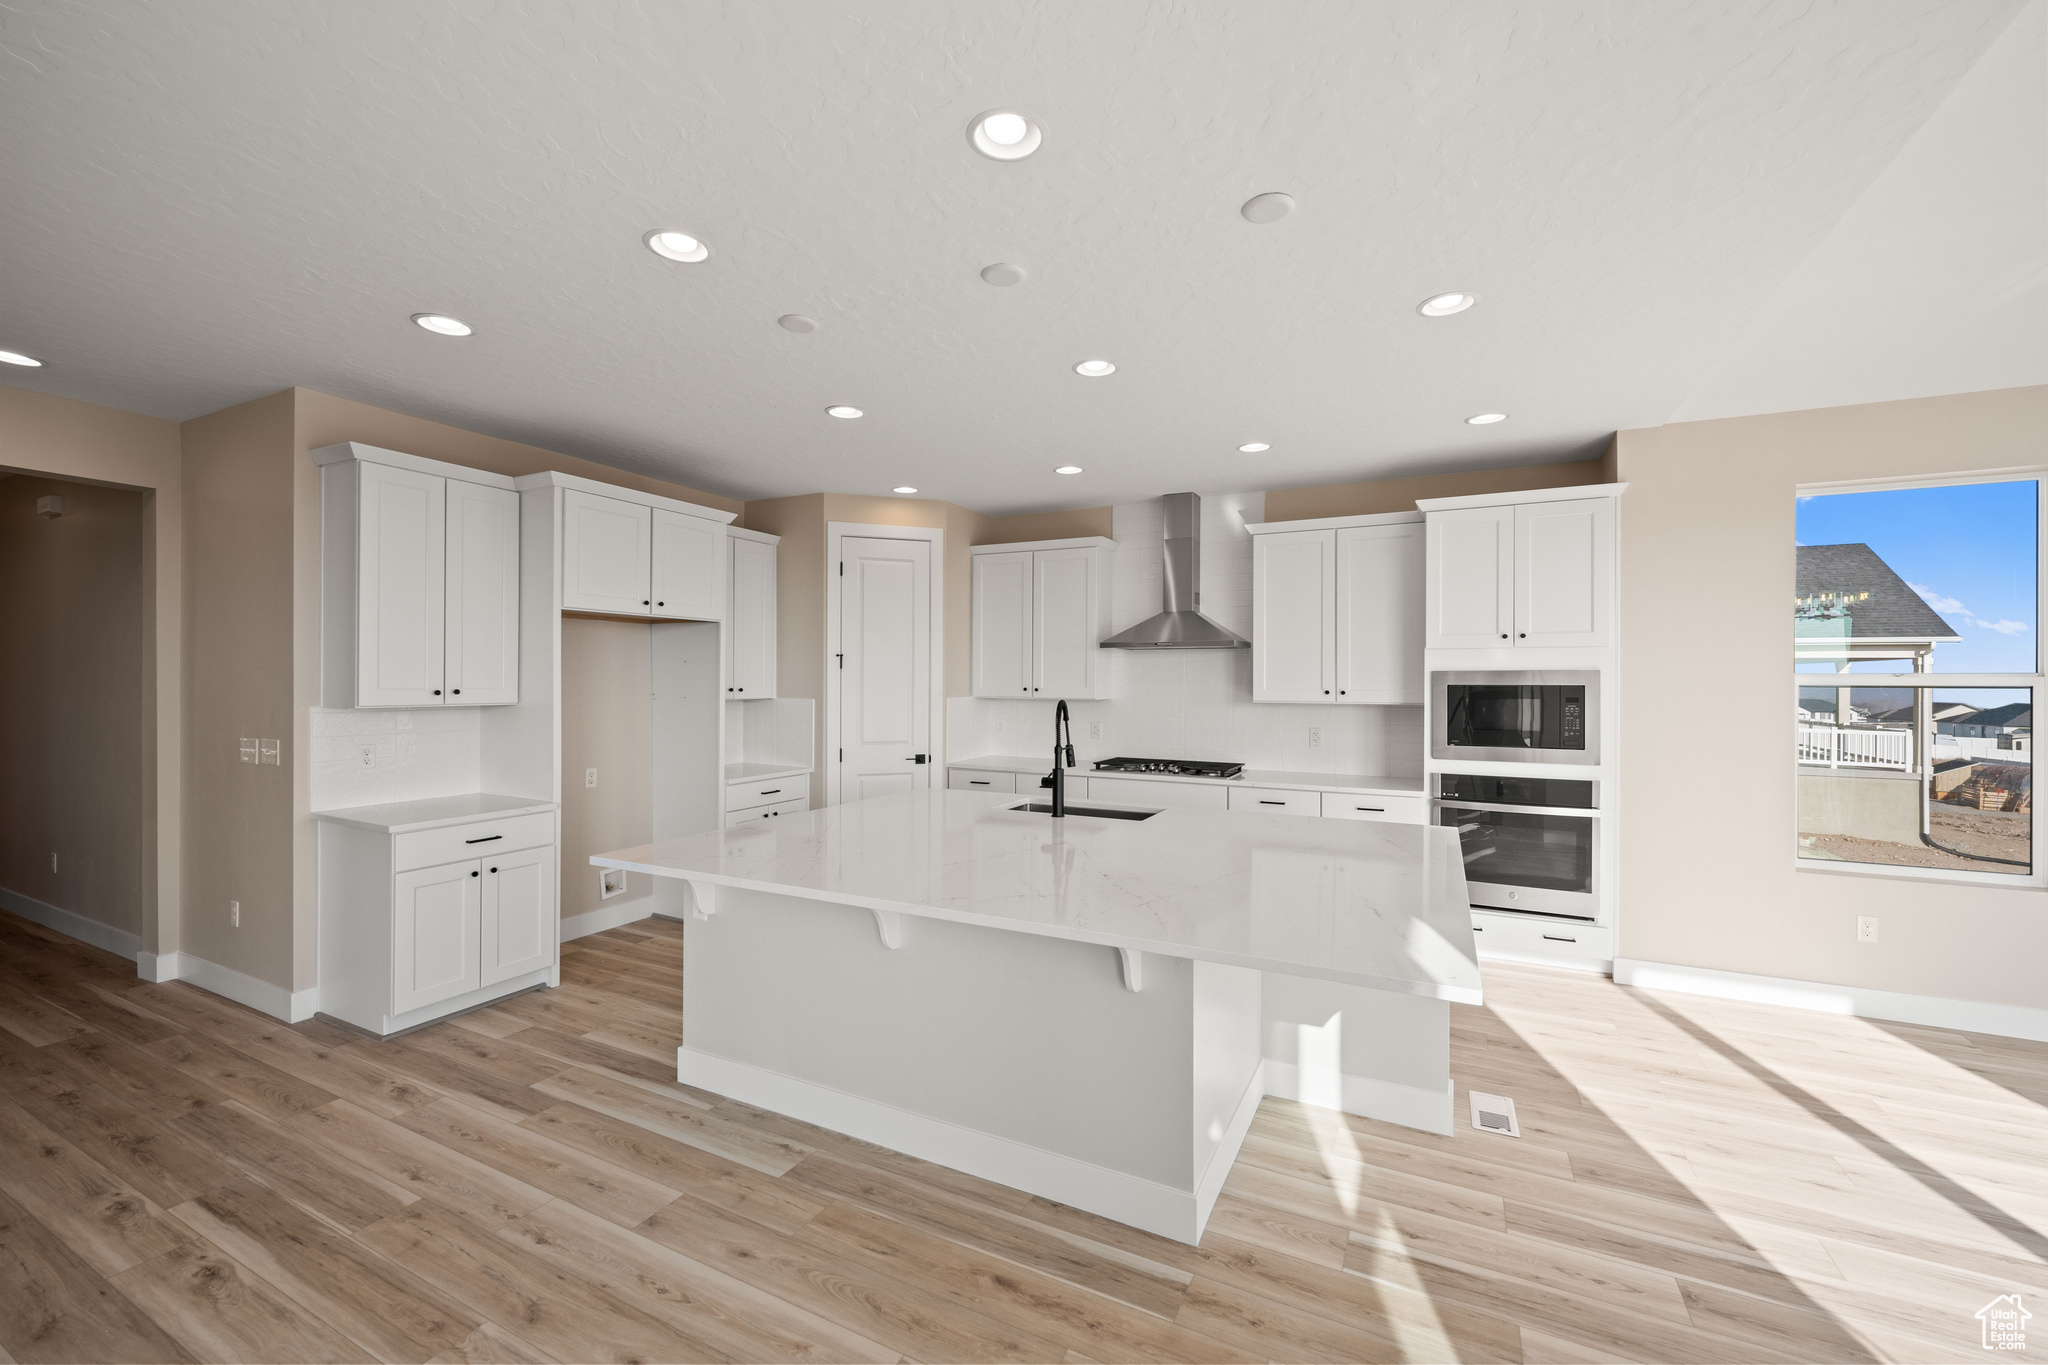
(1891, 611)
(2012, 713)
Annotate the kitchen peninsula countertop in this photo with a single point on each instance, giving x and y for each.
(433, 812)
(1361, 784)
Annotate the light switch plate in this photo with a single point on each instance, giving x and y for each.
(270, 751)
(249, 753)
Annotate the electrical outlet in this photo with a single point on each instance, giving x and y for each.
(1315, 736)
(234, 914)
(1866, 928)
(270, 751)
(369, 753)
(53, 862)
(1095, 729)
(590, 777)
(249, 754)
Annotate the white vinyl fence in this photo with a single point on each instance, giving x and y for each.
(1835, 748)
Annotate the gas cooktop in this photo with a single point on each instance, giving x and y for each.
(1187, 767)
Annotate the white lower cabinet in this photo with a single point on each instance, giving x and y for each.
(1127, 791)
(1533, 938)
(419, 923)
(1275, 801)
(1399, 810)
(774, 791)
(755, 815)
(981, 780)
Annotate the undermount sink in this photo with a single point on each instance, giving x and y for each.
(1083, 808)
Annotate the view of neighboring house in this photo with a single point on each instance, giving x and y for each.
(1849, 606)
(1998, 722)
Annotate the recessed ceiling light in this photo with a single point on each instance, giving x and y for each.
(1267, 208)
(442, 325)
(796, 322)
(1002, 273)
(842, 410)
(904, 488)
(1486, 419)
(1254, 447)
(17, 358)
(1004, 134)
(1068, 469)
(676, 246)
(1443, 305)
(1094, 369)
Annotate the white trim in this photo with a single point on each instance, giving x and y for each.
(759, 537)
(397, 459)
(106, 936)
(607, 917)
(1933, 1011)
(1412, 1106)
(1526, 495)
(1210, 1185)
(158, 967)
(2020, 474)
(554, 478)
(1263, 528)
(835, 551)
(1071, 543)
(1128, 1199)
(293, 1007)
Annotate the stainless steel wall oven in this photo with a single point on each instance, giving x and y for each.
(1530, 844)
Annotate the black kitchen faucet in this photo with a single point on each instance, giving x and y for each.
(1062, 758)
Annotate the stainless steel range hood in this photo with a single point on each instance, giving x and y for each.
(1181, 625)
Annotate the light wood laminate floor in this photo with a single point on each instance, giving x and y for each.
(184, 1179)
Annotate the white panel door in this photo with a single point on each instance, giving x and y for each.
(519, 928)
(605, 554)
(482, 664)
(1379, 615)
(400, 567)
(750, 619)
(885, 691)
(689, 566)
(1564, 571)
(1063, 626)
(434, 923)
(1471, 596)
(1294, 616)
(1002, 624)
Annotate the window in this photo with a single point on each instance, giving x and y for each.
(1919, 606)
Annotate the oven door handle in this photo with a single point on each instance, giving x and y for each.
(1441, 802)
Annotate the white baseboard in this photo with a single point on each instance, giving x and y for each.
(118, 941)
(1967, 1016)
(607, 917)
(157, 966)
(293, 1007)
(1225, 1155)
(1129, 1199)
(1412, 1106)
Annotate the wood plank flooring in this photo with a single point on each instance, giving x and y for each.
(1697, 1181)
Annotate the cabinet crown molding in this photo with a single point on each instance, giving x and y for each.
(554, 478)
(1264, 528)
(1072, 543)
(1528, 495)
(419, 464)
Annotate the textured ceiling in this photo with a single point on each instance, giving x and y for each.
(207, 201)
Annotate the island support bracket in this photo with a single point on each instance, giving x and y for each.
(889, 924)
(1133, 962)
(703, 899)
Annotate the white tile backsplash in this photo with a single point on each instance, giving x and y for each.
(1194, 703)
(429, 751)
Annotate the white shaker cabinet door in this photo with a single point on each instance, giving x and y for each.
(434, 924)
(689, 566)
(1379, 615)
(605, 555)
(1064, 629)
(519, 924)
(400, 566)
(750, 620)
(1002, 624)
(1564, 572)
(1293, 616)
(482, 665)
(1471, 578)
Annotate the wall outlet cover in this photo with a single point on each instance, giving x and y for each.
(1315, 736)
(611, 881)
(1494, 1114)
(235, 914)
(590, 777)
(369, 755)
(1866, 928)
(1095, 729)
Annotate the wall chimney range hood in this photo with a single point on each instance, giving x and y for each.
(1181, 625)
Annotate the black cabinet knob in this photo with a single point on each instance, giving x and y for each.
(458, 691)
(476, 874)
(1503, 635)
(643, 601)
(437, 691)
(494, 870)
(1523, 635)
(658, 604)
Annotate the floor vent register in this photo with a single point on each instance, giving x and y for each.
(1494, 1114)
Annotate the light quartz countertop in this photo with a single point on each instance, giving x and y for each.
(1363, 903)
(403, 817)
(1363, 784)
(755, 772)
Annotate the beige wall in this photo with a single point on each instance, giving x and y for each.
(1399, 495)
(1079, 521)
(607, 724)
(82, 441)
(76, 685)
(1707, 876)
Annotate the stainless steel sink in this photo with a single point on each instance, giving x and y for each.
(1083, 808)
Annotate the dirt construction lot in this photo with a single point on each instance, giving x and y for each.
(1969, 840)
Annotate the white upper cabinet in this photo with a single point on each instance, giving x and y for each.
(607, 554)
(1294, 597)
(419, 582)
(689, 566)
(1040, 613)
(750, 616)
(1522, 575)
(482, 631)
(1379, 614)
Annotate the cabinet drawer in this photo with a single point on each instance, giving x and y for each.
(980, 780)
(778, 791)
(1527, 937)
(1274, 801)
(1399, 810)
(756, 814)
(432, 847)
(1130, 791)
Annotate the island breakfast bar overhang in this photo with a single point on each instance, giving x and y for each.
(1089, 1009)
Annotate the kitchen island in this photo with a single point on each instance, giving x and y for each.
(1087, 1009)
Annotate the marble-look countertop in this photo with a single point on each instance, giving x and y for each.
(1353, 901)
(1362, 784)
(434, 812)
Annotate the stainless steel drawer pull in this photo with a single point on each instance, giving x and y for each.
(1560, 938)
(485, 840)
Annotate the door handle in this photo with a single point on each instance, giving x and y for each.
(918, 758)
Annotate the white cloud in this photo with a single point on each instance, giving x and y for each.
(1939, 602)
(2004, 627)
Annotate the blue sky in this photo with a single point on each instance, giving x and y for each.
(1968, 549)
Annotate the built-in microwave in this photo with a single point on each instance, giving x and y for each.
(1499, 717)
